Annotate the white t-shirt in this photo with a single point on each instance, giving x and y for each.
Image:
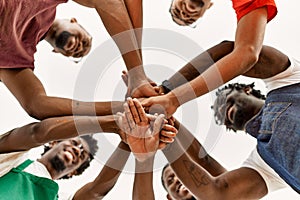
(288, 77)
(272, 179)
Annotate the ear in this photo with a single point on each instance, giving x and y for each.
(169, 197)
(210, 5)
(72, 173)
(248, 90)
(52, 143)
(73, 20)
(54, 51)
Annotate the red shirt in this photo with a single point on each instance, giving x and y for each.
(242, 7)
(22, 25)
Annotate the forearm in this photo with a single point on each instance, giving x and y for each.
(201, 63)
(143, 180)
(196, 151)
(108, 176)
(192, 175)
(36, 134)
(119, 25)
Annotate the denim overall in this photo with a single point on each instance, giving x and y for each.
(20, 185)
(277, 130)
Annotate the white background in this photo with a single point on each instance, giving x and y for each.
(59, 75)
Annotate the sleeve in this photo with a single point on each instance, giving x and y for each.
(271, 178)
(243, 7)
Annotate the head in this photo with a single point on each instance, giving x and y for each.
(236, 104)
(65, 158)
(69, 38)
(175, 189)
(186, 12)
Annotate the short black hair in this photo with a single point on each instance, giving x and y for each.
(93, 146)
(232, 87)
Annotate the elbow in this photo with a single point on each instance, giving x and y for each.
(35, 108)
(38, 133)
(249, 55)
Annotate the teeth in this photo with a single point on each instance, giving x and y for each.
(69, 155)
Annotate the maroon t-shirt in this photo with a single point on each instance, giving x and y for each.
(22, 25)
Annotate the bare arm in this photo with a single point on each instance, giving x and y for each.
(143, 180)
(248, 44)
(123, 20)
(196, 151)
(108, 176)
(30, 93)
(36, 134)
(242, 183)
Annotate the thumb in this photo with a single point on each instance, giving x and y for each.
(159, 121)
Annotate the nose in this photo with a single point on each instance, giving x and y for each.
(77, 152)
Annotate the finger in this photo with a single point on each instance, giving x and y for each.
(129, 116)
(158, 124)
(167, 134)
(152, 83)
(141, 112)
(162, 145)
(133, 110)
(166, 139)
(167, 127)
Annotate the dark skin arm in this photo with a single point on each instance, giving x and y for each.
(242, 183)
(108, 176)
(143, 180)
(271, 62)
(123, 20)
(31, 94)
(196, 151)
(59, 128)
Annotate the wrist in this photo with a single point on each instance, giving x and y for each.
(166, 86)
(173, 99)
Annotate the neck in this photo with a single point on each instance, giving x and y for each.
(54, 175)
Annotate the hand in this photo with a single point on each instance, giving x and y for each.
(142, 130)
(139, 88)
(161, 104)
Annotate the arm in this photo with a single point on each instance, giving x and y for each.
(123, 21)
(108, 176)
(30, 93)
(196, 151)
(143, 180)
(242, 183)
(248, 44)
(38, 133)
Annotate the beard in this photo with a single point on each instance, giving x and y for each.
(242, 116)
(62, 39)
(57, 164)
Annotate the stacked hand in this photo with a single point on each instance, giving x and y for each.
(144, 133)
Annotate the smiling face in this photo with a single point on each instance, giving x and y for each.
(175, 189)
(66, 156)
(186, 12)
(69, 38)
(234, 108)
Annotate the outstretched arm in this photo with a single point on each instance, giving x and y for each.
(123, 21)
(108, 176)
(30, 93)
(242, 183)
(59, 128)
(143, 180)
(248, 44)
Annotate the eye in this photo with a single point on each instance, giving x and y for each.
(74, 142)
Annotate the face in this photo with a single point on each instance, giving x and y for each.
(175, 189)
(235, 108)
(70, 39)
(186, 12)
(67, 155)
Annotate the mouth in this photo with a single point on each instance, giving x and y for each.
(69, 156)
